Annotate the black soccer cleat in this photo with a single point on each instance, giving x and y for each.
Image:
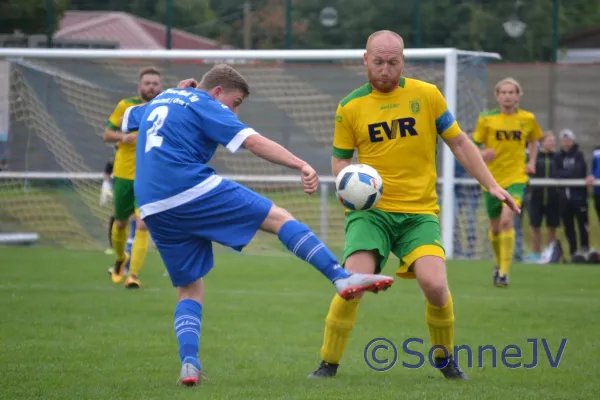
(325, 370)
(501, 281)
(495, 274)
(450, 369)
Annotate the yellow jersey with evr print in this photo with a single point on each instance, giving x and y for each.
(397, 133)
(507, 135)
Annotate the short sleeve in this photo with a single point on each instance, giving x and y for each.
(445, 123)
(536, 131)
(480, 133)
(132, 118)
(114, 121)
(222, 126)
(344, 141)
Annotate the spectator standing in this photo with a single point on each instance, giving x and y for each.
(570, 164)
(544, 202)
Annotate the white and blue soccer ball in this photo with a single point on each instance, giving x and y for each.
(359, 187)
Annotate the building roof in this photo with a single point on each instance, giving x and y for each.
(584, 35)
(130, 31)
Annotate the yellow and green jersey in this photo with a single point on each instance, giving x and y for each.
(124, 165)
(396, 133)
(507, 135)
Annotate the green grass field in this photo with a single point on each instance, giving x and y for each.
(68, 333)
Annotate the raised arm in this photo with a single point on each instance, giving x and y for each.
(469, 156)
(224, 127)
(273, 152)
(344, 141)
(466, 152)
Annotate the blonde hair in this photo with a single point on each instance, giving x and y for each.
(512, 81)
(547, 134)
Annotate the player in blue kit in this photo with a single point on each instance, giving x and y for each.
(187, 205)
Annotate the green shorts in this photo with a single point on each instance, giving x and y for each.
(494, 206)
(408, 236)
(124, 199)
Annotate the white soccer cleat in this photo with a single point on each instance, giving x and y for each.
(190, 375)
(355, 284)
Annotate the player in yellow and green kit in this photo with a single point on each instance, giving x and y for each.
(504, 133)
(124, 172)
(395, 124)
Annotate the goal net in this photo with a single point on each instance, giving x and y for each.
(54, 105)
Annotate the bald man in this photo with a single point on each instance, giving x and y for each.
(394, 124)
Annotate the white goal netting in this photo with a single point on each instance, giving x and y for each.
(54, 112)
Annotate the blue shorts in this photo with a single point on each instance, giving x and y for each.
(230, 215)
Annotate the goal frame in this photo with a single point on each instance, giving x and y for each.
(450, 57)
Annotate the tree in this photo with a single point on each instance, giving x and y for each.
(29, 16)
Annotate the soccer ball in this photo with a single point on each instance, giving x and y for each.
(359, 187)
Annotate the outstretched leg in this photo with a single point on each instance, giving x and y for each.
(304, 244)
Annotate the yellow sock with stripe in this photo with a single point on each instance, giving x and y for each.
(440, 321)
(119, 241)
(507, 249)
(338, 325)
(139, 249)
(495, 241)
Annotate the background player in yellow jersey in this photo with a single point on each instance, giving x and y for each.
(124, 172)
(394, 123)
(505, 132)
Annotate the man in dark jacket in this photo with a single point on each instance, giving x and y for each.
(544, 200)
(570, 164)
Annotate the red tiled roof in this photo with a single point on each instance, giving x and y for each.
(130, 31)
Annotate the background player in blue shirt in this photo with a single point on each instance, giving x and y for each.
(187, 205)
(595, 174)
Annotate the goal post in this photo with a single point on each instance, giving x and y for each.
(295, 93)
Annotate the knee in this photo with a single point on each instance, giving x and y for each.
(141, 225)
(193, 291)
(495, 226)
(362, 262)
(275, 219)
(506, 222)
(431, 275)
(120, 224)
(435, 291)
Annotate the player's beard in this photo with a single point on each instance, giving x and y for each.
(149, 95)
(384, 85)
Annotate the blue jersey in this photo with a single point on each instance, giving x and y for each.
(178, 134)
(596, 168)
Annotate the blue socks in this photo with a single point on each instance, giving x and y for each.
(131, 236)
(301, 241)
(130, 244)
(188, 317)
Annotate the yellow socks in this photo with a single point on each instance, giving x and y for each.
(507, 249)
(338, 325)
(495, 241)
(119, 241)
(139, 249)
(440, 321)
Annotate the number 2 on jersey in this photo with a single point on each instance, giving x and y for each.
(158, 116)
